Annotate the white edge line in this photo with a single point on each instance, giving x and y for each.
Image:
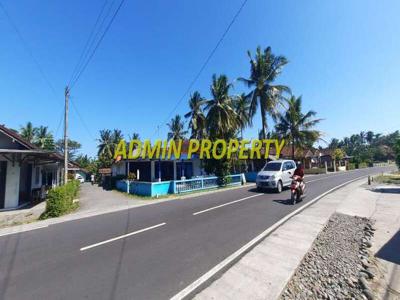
(121, 237)
(225, 204)
(24, 230)
(236, 255)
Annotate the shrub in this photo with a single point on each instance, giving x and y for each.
(352, 166)
(362, 165)
(60, 200)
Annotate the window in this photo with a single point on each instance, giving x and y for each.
(272, 166)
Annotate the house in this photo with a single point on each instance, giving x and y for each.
(25, 170)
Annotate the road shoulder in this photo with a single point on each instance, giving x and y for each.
(264, 272)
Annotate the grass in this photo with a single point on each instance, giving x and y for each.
(388, 178)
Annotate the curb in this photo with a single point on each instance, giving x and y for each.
(206, 279)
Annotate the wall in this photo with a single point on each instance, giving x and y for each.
(12, 185)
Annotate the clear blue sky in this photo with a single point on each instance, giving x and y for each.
(344, 60)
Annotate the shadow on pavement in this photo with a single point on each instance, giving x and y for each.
(287, 201)
(391, 190)
(391, 250)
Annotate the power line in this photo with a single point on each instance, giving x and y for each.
(205, 63)
(98, 44)
(27, 48)
(81, 119)
(43, 74)
(90, 40)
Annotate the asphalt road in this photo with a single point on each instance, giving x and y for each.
(170, 245)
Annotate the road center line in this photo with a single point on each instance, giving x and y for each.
(122, 236)
(225, 204)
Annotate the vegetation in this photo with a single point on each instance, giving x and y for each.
(176, 128)
(73, 148)
(368, 147)
(39, 136)
(60, 200)
(265, 67)
(197, 120)
(296, 127)
(388, 178)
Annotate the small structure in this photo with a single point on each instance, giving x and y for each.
(25, 170)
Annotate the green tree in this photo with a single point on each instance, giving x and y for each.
(73, 148)
(176, 128)
(221, 117)
(297, 127)
(197, 120)
(28, 132)
(242, 109)
(397, 152)
(44, 139)
(265, 68)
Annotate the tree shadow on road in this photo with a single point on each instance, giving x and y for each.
(286, 201)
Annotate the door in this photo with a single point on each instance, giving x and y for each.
(25, 183)
(3, 175)
(287, 173)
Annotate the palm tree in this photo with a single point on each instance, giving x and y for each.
(28, 132)
(135, 136)
(242, 109)
(296, 127)
(106, 143)
(176, 128)
(197, 122)
(221, 117)
(43, 138)
(265, 68)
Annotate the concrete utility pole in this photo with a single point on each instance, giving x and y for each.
(66, 135)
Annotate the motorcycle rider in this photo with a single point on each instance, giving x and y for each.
(300, 173)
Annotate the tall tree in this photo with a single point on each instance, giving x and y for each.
(176, 128)
(134, 136)
(105, 143)
(242, 109)
(44, 139)
(265, 67)
(73, 147)
(28, 132)
(197, 120)
(297, 127)
(221, 117)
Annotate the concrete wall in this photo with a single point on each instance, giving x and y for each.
(12, 185)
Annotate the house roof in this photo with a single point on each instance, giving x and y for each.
(18, 138)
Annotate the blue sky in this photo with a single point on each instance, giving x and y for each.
(343, 61)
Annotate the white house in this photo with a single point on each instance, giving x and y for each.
(25, 170)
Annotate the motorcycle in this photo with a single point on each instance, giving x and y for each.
(296, 190)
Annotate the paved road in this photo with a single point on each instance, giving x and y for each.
(170, 245)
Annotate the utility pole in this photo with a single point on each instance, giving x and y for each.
(66, 94)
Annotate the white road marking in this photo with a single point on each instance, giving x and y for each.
(197, 285)
(121, 236)
(225, 204)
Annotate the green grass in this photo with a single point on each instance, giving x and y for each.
(388, 178)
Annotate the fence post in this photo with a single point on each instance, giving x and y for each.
(202, 183)
(127, 186)
(174, 186)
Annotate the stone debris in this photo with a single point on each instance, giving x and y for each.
(338, 263)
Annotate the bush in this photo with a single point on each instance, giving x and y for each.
(352, 166)
(60, 200)
(362, 165)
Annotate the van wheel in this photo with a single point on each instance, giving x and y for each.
(279, 187)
